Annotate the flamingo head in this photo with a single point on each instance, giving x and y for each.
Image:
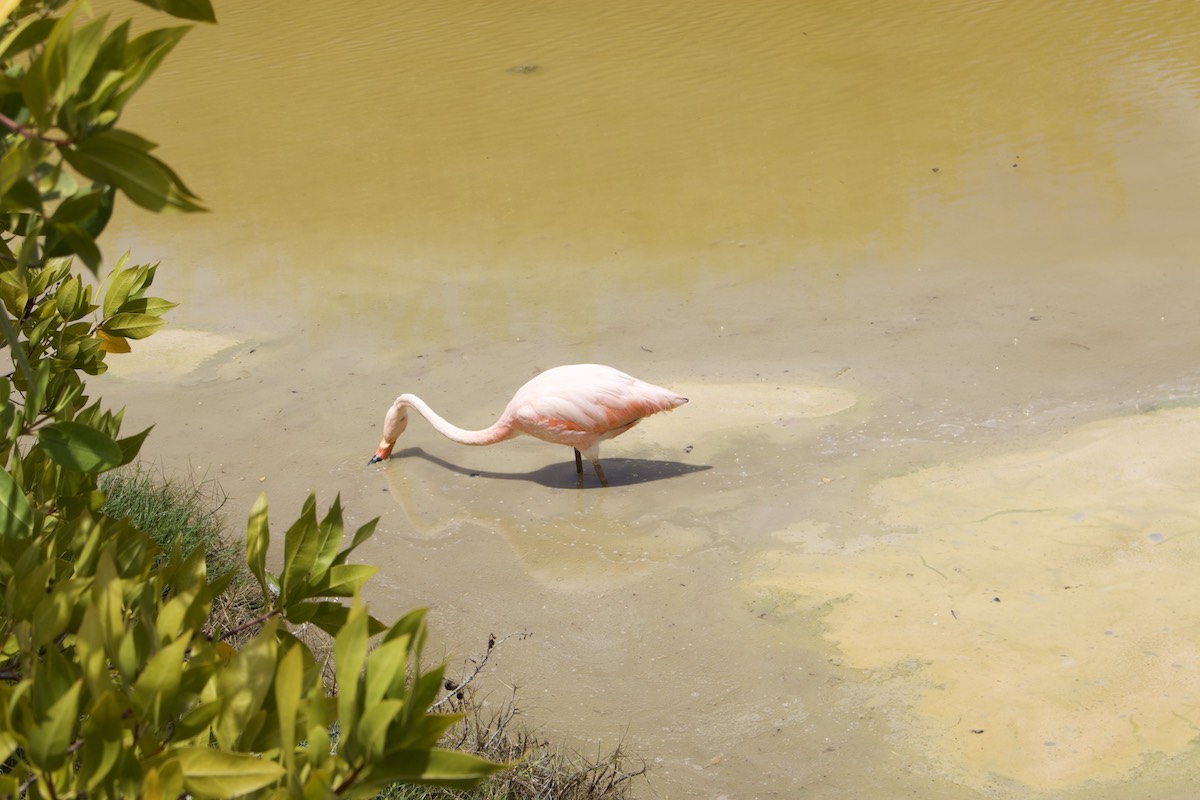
(393, 425)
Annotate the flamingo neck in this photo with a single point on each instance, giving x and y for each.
(497, 432)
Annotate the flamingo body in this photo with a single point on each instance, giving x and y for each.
(579, 405)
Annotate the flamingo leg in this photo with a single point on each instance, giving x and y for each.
(578, 464)
(600, 473)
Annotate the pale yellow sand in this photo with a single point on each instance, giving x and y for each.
(169, 354)
(1035, 614)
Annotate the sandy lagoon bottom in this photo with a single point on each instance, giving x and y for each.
(1012, 624)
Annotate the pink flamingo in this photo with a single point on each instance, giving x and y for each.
(579, 405)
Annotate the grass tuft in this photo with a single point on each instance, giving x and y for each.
(170, 509)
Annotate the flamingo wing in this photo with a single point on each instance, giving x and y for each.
(580, 404)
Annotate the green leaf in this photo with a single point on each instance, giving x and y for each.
(329, 538)
(169, 777)
(386, 668)
(14, 292)
(349, 655)
(16, 515)
(79, 53)
(215, 773)
(19, 162)
(52, 677)
(422, 692)
(160, 679)
(67, 296)
(79, 447)
(132, 445)
(93, 107)
(30, 32)
(133, 651)
(198, 10)
(21, 197)
(53, 614)
(449, 768)
(28, 584)
(422, 729)
(154, 306)
(289, 683)
(89, 651)
(78, 221)
(122, 282)
(372, 733)
(344, 580)
(44, 74)
(78, 207)
(70, 238)
(196, 721)
(35, 393)
(187, 582)
(52, 273)
(101, 740)
(131, 326)
(360, 536)
(328, 615)
(141, 57)
(122, 159)
(258, 540)
(300, 546)
(106, 600)
(411, 625)
(49, 739)
(56, 73)
(244, 684)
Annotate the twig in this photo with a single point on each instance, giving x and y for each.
(29, 133)
(491, 645)
(349, 780)
(260, 619)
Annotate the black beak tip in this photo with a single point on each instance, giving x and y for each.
(375, 460)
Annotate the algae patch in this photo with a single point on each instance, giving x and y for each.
(1047, 597)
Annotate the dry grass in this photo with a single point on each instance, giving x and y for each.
(541, 771)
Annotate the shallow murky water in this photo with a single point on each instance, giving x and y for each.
(928, 275)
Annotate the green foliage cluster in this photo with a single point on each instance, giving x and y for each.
(110, 685)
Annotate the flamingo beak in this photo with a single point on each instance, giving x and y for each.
(380, 455)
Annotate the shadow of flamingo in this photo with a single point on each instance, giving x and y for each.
(620, 471)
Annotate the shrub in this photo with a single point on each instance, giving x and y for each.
(112, 683)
